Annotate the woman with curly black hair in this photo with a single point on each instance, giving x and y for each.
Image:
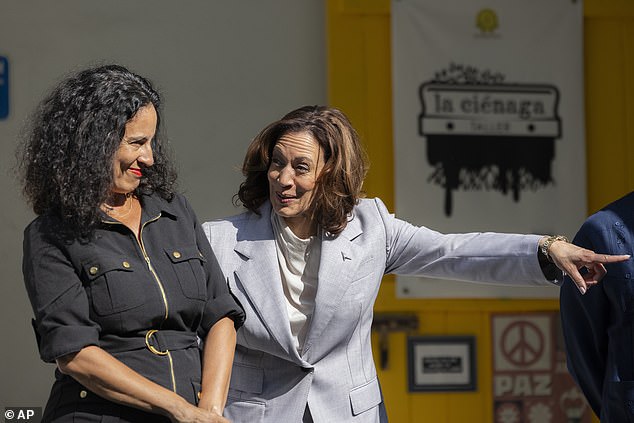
(128, 297)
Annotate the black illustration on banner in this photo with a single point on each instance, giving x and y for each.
(485, 134)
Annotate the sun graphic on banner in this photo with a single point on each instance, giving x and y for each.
(487, 20)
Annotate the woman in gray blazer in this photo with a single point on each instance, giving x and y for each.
(306, 261)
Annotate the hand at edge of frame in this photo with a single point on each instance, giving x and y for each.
(571, 258)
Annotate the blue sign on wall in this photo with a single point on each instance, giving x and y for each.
(4, 87)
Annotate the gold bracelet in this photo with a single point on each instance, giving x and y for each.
(545, 247)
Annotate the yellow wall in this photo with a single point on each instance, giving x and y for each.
(359, 77)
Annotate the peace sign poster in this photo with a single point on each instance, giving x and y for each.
(530, 381)
(488, 123)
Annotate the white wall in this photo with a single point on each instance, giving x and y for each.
(225, 70)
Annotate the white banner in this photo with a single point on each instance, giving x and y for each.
(488, 123)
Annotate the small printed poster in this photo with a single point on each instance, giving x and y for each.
(530, 381)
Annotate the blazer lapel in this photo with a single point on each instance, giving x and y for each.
(340, 259)
(260, 277)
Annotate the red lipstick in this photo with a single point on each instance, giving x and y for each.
(136, 171)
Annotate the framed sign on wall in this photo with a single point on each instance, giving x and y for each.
(441, 363)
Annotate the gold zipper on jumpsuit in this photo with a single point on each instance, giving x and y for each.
(160, 285)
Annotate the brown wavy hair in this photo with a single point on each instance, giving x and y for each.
(339, 185)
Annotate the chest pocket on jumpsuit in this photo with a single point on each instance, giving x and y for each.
(188, 264)
(112, 287)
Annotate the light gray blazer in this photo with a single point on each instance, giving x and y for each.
(334, 374)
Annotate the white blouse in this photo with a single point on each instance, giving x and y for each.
(299, 265)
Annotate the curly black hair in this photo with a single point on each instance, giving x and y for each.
(65, 162)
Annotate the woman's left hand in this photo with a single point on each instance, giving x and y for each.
(188, 413)
(570, 258)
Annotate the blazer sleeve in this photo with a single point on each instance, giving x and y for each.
(485, 257)
(584, 320)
